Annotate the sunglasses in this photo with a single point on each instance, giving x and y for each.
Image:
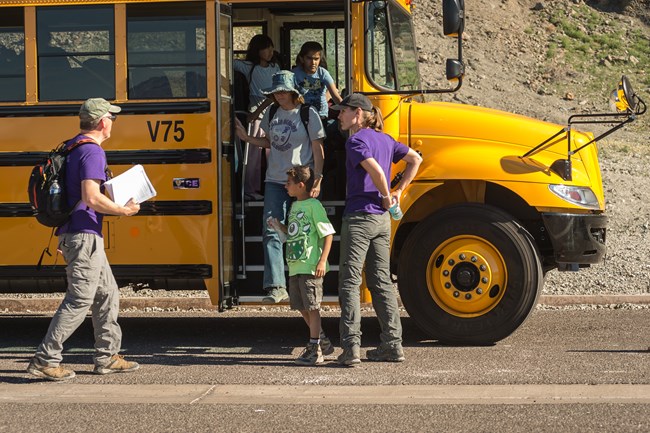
(113, 118)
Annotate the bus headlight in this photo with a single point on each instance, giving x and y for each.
(576, 194)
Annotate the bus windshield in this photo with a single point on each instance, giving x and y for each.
(391, 57)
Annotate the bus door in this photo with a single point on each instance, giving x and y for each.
(228, 158)
(289, 25)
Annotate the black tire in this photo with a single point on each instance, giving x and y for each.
(469, 274)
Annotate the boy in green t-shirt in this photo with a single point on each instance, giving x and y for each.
(309, 240)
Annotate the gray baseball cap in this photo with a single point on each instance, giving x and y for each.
(96, 108)
(354, 100)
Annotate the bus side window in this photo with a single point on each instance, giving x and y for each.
(12, 55)
(99, 71)
(76, 52)
(148, 83)
(166, 50)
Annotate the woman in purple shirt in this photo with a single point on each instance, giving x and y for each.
(365, 232)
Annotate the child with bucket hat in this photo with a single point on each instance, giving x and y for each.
(290, 144)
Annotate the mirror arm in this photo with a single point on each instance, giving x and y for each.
(604, 134)
(540, 145)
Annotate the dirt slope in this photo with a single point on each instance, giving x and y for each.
(550, 59)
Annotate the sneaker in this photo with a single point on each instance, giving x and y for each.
(351, 356)
(312, 355)
(275, 295)
(50, 373)
(326, 346)
(117, 365)
(388, 354)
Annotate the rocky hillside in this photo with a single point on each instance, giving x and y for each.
(549, 59)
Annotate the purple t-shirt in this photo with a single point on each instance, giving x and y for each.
(88, 161)
(362, 195)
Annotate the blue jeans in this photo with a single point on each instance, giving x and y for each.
(276, 204)
(366, 238)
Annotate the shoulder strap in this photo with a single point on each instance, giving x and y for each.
(304, 116)
(272, 110)
(76, 144)
(250, 74)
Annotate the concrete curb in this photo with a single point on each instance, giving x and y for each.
(29, 305)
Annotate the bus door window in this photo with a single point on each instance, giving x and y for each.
(166, 50)
(76, 52)
(391, 57)
(12, 55)
(331, 36)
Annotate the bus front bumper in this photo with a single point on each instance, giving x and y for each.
(578, 239)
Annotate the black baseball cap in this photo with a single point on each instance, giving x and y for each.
(354, 100)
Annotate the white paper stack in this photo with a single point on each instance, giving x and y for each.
(133, 183)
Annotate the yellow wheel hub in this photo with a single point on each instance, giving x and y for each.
(467, 276)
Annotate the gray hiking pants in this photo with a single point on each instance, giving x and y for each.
(366, 238)
(91, 286)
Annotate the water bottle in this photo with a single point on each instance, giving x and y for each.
(55, 197)
(396, 211)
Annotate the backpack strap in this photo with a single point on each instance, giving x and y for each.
(76, 144)
(304, 115)
(272, 110)
(250, 74)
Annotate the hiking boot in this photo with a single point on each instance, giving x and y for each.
(275, 295)
(388, 354)
(50, 373)
(117, 365)
(312, 355)
(326, 346)
(351, 356)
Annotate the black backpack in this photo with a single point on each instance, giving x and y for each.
(47, 189)
(304, 115)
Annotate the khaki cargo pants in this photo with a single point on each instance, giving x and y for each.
(91, 286)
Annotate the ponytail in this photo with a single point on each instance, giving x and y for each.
(373, 119)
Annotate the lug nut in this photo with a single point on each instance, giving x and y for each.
(462, 257)
(451, 262)
(483, 268)
(447, 285)
(479, 291)
(473, 258)
(468, 296)
(456, 294)
(445, 273)
(484, 279)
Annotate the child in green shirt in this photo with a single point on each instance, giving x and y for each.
(309, 240)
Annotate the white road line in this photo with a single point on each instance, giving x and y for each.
(49, 392)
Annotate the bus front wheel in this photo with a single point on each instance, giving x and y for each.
(469, 274)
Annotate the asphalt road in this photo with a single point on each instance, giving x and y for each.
(563, 370)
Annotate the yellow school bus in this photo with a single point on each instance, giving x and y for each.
(499, 200)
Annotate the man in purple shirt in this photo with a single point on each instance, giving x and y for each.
(91, 285)
(365, 232)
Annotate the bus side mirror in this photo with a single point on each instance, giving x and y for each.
(623, 98)
(455, 69)
(453, 17)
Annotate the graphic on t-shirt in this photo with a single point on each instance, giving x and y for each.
(311, 84)
(281, 133)
(313, 90)
(298, 232)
